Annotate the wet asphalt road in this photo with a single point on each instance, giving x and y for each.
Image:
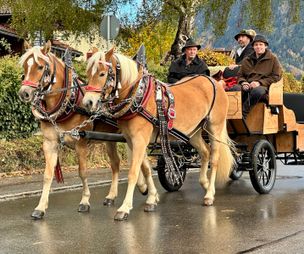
(241, 221)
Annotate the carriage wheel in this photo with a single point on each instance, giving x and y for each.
(165, 178)
(264, 167)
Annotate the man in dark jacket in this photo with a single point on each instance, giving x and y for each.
(188, 64)
(258, 71)
(244, 39)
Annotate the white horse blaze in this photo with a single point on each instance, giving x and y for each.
(30, 63)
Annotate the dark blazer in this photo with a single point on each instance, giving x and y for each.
(247, 51)
(179, 69)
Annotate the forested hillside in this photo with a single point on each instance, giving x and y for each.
(285, 38)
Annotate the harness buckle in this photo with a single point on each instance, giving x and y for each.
(171, 113)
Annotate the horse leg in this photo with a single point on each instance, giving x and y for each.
(82, 152)
(204, 151)
(153, 198)
(138, 152)
(209, 197)
(50, 149)
(221, 161)
(141, 181)
(111, 148)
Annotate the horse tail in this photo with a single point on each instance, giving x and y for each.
(226, 160)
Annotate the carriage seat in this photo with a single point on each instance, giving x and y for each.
(273, 99)
(295, 102)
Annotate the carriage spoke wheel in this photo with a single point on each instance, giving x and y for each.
(264, 167)
(165, 176)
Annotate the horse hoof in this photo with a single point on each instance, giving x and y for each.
(208, 202)
(150, 208)
(120, 216)
(83, 208)
(108, 202)
(37, 215)
(145, 193)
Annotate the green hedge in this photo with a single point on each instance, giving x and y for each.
(16, 119)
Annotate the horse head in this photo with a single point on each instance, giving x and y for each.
(108, 74)
(38, 69)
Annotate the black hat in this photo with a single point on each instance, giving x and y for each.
(248, 33)
(261, 38)
(190, 43)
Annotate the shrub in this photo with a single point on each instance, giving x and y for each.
(26, 155)
(291, 84)
(215, 58)
(160, 72)
(80, 69)
(16, 119)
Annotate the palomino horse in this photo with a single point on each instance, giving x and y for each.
(196, 98)
(48, 75)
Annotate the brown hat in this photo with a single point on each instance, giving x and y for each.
(261, 38)
(190, 43)
(249, 33)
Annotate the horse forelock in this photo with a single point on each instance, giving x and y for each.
(128, 67)
(36, 53)
(94, 60)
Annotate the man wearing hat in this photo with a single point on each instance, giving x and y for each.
(258, 71)
(244, 39)
(188, 64)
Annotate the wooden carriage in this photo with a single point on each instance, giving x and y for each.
(273, 129)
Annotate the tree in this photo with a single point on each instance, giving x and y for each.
(67, 16)
(181, 13)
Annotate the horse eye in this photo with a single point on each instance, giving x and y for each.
(40, 67)
(22, 77)
(101, 74)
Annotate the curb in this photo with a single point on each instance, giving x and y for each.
(33, 193)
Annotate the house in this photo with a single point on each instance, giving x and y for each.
(9, 36)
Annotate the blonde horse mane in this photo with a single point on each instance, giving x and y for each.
(36, 52)
(125, 64)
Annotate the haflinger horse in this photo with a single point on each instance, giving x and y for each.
(196, 98)
(49, 77)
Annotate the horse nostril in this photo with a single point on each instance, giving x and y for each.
(24, 96)
(89, 104)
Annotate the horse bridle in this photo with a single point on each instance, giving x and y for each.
(109, 84)
(46, 81)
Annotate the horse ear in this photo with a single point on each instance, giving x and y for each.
(26, 45)
(94, 50)
(47, 47)
(109, 54)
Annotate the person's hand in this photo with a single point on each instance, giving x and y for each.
(245, 86)
(254, 84)
(232, 66)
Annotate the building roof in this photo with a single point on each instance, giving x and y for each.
(56, 44)
(5, 11)
(6, 30)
